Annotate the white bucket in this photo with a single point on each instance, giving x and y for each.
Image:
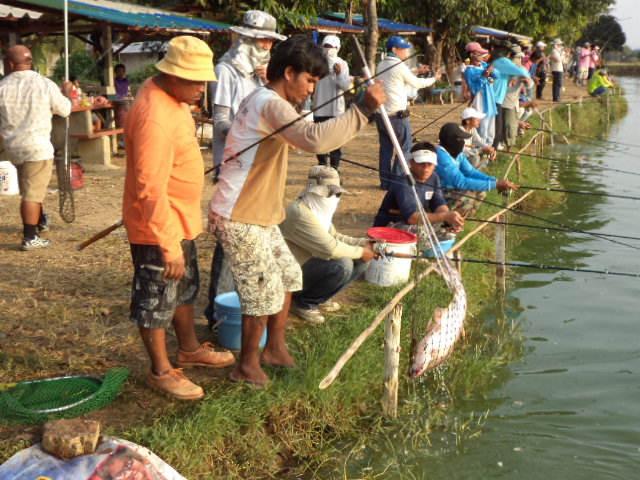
(391, 271)
(8, 179)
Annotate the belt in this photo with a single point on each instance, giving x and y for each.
(401, 113)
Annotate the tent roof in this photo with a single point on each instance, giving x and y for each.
(384, 25)
(122, 16)
(494, 32)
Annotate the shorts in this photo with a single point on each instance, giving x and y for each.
(154, 299)
(583, 72)
(465, 202)
(33, 179)
(262, 265)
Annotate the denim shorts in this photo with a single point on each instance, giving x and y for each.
(154, 299)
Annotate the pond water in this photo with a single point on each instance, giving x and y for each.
(569, 409)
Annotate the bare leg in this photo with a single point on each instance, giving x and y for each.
(155, 343)
(185, 328)
(30, 212)
(248, 368)
(275, 351)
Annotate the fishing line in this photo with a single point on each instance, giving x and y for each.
(546, 267)
(579, 192)
(511, 209)
(585, 137)
(582, 140)
(543, 227)
(301, 117)
(552, 159)
(434, 121)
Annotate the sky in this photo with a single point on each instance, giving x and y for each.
(628, 14)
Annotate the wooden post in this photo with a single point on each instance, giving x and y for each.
(551, 139)
(501, 255)
(391, 362)
(107, 62)
(458, 256)
(569, 116)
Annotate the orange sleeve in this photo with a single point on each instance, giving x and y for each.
(154, 152)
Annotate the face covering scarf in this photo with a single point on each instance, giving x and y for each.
(245, 55)
(322, 207)
(331, 54)
(449, 139)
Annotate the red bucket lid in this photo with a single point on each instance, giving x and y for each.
(392, 235)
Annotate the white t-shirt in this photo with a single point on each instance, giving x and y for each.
(232, 87)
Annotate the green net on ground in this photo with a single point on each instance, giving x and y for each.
(38, 401)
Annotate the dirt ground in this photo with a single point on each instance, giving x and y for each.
(65, 312)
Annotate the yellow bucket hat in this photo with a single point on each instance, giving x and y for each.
(189, 58)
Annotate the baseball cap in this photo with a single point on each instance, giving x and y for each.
(541, 44)
(331, 40)
(424, 156)
(475, 47)
(471, 112)
(557, 41)
(397, 42)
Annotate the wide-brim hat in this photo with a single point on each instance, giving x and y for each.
(189, 58)
(324, 181)
(258, 24)
(557, 41)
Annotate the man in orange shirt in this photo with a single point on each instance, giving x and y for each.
(161, 212)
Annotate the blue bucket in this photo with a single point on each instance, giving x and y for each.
(446, 246)
(226, 313)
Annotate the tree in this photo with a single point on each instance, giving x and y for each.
(606, 32)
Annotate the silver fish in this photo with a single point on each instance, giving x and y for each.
(444, 330)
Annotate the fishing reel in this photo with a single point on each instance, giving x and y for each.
(380, 248)
(506, 193)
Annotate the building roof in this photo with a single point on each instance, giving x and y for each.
(384, 25)
(124, 16)
(331, 26)
(13, 13)
(494, 32)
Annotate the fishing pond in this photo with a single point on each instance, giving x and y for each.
(569, 408)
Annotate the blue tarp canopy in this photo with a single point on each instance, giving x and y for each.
(384, 25)
(324, 25)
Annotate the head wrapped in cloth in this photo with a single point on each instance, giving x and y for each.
(245, 53)
(323, 192)
(331, 46)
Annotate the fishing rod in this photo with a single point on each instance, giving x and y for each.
(444, 266)
(519, 212)
(302, 116)
(579, 192)
(543, 227)
(553, 132)
(518, 264)
(552, 159)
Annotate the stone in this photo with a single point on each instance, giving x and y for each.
(69, 438)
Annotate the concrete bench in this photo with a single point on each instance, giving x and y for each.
(95, 147)
(437, 93)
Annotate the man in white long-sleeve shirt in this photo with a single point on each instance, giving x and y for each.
(396, 76)
(329, 91)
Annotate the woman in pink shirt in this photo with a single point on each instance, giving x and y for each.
(583, 64)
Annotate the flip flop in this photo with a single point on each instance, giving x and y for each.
(251, 383)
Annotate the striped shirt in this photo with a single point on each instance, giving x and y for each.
(251, 187)
(27, 101)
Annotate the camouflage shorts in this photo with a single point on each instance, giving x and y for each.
(154, 299)
(262, 266)
(465, 202)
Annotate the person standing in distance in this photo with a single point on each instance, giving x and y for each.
(27, 101)
(396, 76)
(330, 89)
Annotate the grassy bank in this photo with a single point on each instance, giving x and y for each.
(292, 428)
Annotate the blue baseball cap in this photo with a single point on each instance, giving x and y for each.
(397, 42)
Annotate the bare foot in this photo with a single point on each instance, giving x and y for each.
(251, 375)
(277, 358)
